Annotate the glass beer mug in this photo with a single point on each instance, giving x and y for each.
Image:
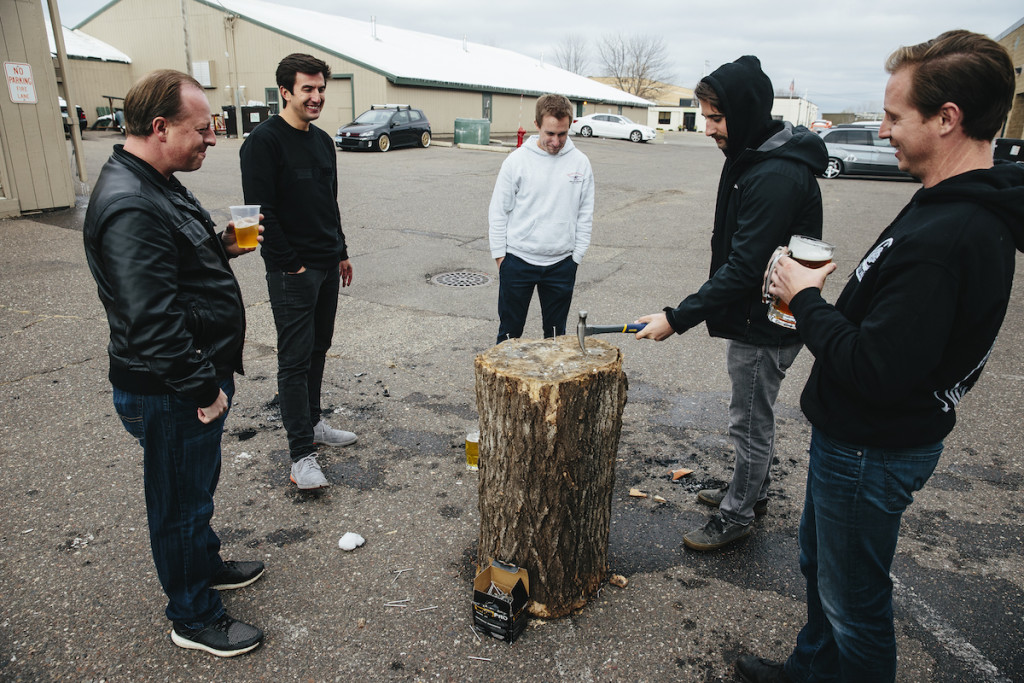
(807, 251)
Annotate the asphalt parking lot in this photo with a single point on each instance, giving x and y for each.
(79, 599)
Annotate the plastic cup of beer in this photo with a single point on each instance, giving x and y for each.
(247, 222)
(808, 252)
(472, 451)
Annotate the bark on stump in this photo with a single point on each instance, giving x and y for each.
(550, 419)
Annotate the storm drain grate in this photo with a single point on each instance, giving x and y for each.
(461, 278)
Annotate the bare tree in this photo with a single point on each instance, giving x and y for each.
(638, 63)
(571, 54)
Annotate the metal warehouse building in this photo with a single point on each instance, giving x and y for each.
(233, 47)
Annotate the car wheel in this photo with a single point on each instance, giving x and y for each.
(834, 168)
(383, 143)
(636, 136)
(586, 131)
(425, 139)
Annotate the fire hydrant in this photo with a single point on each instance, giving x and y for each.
(519, 136)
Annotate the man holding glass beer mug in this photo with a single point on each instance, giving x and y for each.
(767, 192)
(906, 339)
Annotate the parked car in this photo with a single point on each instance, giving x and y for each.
(82, 123)
(385, 126)
(610, 126)
(857, 150)
(820, 125)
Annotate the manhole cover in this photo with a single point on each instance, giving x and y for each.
(461, 278)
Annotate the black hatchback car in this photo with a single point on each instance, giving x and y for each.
(385, 126)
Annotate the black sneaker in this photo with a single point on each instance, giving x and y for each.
(756, 670)
(236, 575)
(717, 533)
(714, 498)
(225, 637)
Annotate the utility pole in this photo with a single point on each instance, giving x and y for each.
(229, 24)
(188, 46)
(72, 103)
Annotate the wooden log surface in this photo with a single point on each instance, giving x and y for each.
(550, 418)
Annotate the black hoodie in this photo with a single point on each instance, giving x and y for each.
(767, 193)
(914, 326)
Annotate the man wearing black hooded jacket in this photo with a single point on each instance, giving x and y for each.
(903, 344)
(767, 193)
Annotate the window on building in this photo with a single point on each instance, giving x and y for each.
(664, 117)
(203, 72)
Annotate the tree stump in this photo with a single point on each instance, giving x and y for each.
(550, 419)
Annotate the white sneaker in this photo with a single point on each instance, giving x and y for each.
(307, 475)
(326, 435)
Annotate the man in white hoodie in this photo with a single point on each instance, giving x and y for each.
(540, 219)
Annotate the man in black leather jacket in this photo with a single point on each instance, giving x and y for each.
(767, 192)
(177, 325)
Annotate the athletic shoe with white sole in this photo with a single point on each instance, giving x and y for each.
(236, 575)
(326, 435)
(226, 637)
(307, 475)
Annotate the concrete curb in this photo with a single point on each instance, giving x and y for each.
(485, 148)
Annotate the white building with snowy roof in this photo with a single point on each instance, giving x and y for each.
(233, 47)
(100, 73)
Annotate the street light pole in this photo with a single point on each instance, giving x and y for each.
(72, 103)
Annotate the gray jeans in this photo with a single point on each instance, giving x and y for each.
(756, 373)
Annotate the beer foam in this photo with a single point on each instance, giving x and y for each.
(810, 249)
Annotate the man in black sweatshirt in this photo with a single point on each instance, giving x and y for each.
(906, 339)
(290, 168)
(766, 194)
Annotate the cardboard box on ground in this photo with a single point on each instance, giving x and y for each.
(500, 594)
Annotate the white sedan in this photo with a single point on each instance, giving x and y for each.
(610, 126)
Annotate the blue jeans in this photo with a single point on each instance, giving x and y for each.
(304, 305)
(181, 466)
(756, 373)
(516, 282)
(851, 521)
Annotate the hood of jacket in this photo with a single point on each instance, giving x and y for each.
(745, 97)
(1000, 189)
(794, 143)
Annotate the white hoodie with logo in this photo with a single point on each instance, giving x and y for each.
(542, 208)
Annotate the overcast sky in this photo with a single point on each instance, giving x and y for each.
(833, 52)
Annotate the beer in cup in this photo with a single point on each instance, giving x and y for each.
(472, 451)
(247, 221)
(806, 251)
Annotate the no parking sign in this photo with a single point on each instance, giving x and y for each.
(20, 83)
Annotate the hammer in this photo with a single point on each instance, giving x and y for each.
(583, 330)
